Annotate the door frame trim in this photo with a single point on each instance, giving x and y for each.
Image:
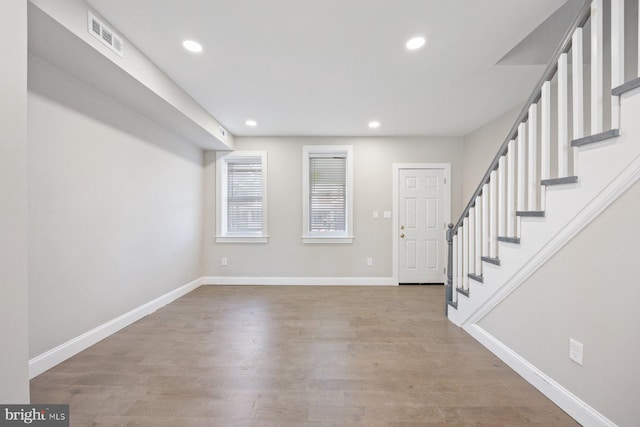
(396, 167)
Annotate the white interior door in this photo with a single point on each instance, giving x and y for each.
(421, 220)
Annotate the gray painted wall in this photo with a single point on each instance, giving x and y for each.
(480, 147)
(115, 209)
(588, 292)
(14, 376)
(285, 255)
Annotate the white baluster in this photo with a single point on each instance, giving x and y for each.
(454, 267)
(577, 77)
(597, 13)
(485, 220)
(460, 256)
(472, 240)
(563, 117)
(545, 138)
(493, 213)
(617, 57)
(502, 196)
(533, 158)
(545, 131)
(511, 189)
(522, 159)
(478, 237)
(465, 254)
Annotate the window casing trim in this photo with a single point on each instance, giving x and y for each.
(222, 235)
(346, 236)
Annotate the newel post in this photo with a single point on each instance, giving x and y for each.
(449, 288)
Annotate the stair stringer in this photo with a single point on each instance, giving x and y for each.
(606, 170)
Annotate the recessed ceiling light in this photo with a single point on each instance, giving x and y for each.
(192, 46)
(374, 124)
(416, 43)
(251, 123)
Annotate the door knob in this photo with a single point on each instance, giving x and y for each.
(402, 236)
(402, 227)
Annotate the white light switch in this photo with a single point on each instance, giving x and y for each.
(375, 214)
(387, 214)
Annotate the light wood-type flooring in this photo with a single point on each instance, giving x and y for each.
(295, 356)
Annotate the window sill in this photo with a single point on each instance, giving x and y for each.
(327, 239)
(242, 239)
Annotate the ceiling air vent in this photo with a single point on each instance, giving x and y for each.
(105, 34)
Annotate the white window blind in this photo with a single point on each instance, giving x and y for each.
(244, 195)
(327, 192)
(327, 189)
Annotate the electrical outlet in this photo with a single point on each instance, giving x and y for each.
(224, 261)
(369, 262)
(575, 351)
(386, 214)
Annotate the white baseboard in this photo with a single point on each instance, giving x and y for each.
(303, 281)
(64, 351)
(59, 354)
(567, 401)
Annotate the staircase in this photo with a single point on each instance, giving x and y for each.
(573, 150)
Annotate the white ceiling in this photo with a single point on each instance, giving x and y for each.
(301, 67)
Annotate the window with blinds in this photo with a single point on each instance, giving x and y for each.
(327, 194)
(241, 195)
(244, 195)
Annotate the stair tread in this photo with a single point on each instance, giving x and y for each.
(462, 291)
(530, 213)
(602, 136)
(477, 278)
(495, 261)
(559, 181)
(509, 239)
(626, 87)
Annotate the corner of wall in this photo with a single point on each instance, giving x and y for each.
(14, 386)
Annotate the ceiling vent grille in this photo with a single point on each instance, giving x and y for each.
(105, 34)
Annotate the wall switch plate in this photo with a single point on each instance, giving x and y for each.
(369, 262)
(575, 351)
(375, 214)
(224, 261)
(387, 214)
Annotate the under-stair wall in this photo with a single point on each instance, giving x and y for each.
(587, 292)
(573, 151)
(581, 286)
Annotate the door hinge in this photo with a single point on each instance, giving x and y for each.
(445, 181)
(444, 270)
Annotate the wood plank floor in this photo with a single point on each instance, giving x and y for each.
(295, 356)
